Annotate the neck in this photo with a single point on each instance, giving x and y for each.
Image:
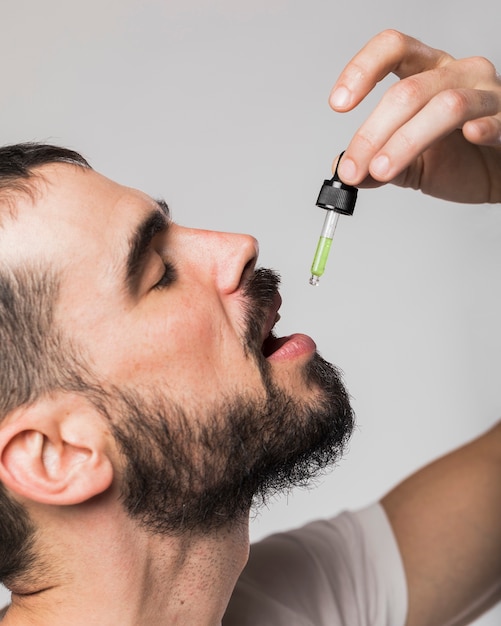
(135, 579)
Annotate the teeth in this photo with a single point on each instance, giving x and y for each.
(277, 317)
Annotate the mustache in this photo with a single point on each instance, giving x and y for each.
(259, 293)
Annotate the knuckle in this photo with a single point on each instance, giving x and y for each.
(407, 92)
(365, 142)
(482, 66)
(408, 143)
(356, 72)
(392, 38)
(454, 101)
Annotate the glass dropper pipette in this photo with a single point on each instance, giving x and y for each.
(337, 198)
(323, 246)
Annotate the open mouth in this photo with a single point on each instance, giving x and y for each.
(272, 343)
(281, 349)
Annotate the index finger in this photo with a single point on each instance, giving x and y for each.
(389, 52)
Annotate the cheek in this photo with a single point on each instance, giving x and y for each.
(189, 347)
(197, 357)
(188, 350)
(169, 346)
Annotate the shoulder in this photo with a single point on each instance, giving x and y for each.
(334, 571)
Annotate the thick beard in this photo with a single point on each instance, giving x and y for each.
(186, 472)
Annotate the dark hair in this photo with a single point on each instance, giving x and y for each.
(18, 161)
(34, 358)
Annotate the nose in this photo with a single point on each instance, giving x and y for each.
(227, 258)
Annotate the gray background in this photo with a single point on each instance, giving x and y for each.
(221, 107)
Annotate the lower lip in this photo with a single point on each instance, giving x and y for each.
(297, 345)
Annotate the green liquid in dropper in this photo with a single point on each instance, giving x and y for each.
(321, 255)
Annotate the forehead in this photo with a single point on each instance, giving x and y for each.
(71, 213)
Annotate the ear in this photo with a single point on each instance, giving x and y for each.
(55, 451)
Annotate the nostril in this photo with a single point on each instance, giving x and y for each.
(235, 258)
(247, 271)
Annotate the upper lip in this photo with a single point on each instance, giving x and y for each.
(273, 316)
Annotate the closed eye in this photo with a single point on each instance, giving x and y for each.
(168, 277)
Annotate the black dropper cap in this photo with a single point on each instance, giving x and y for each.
(337, 196)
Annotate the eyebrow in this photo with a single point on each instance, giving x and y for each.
(156, 221)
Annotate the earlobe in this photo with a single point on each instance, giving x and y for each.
(56, 451)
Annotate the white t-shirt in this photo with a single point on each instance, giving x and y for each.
(346, 571)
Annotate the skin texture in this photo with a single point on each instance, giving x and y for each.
(447, 519)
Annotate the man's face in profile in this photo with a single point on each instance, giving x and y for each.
(207, 408)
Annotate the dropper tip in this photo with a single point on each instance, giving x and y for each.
(314, 280)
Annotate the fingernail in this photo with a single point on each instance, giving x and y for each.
(347, 169)
(381, 165)
(340, 98)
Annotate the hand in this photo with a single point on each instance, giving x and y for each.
(438, 129)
